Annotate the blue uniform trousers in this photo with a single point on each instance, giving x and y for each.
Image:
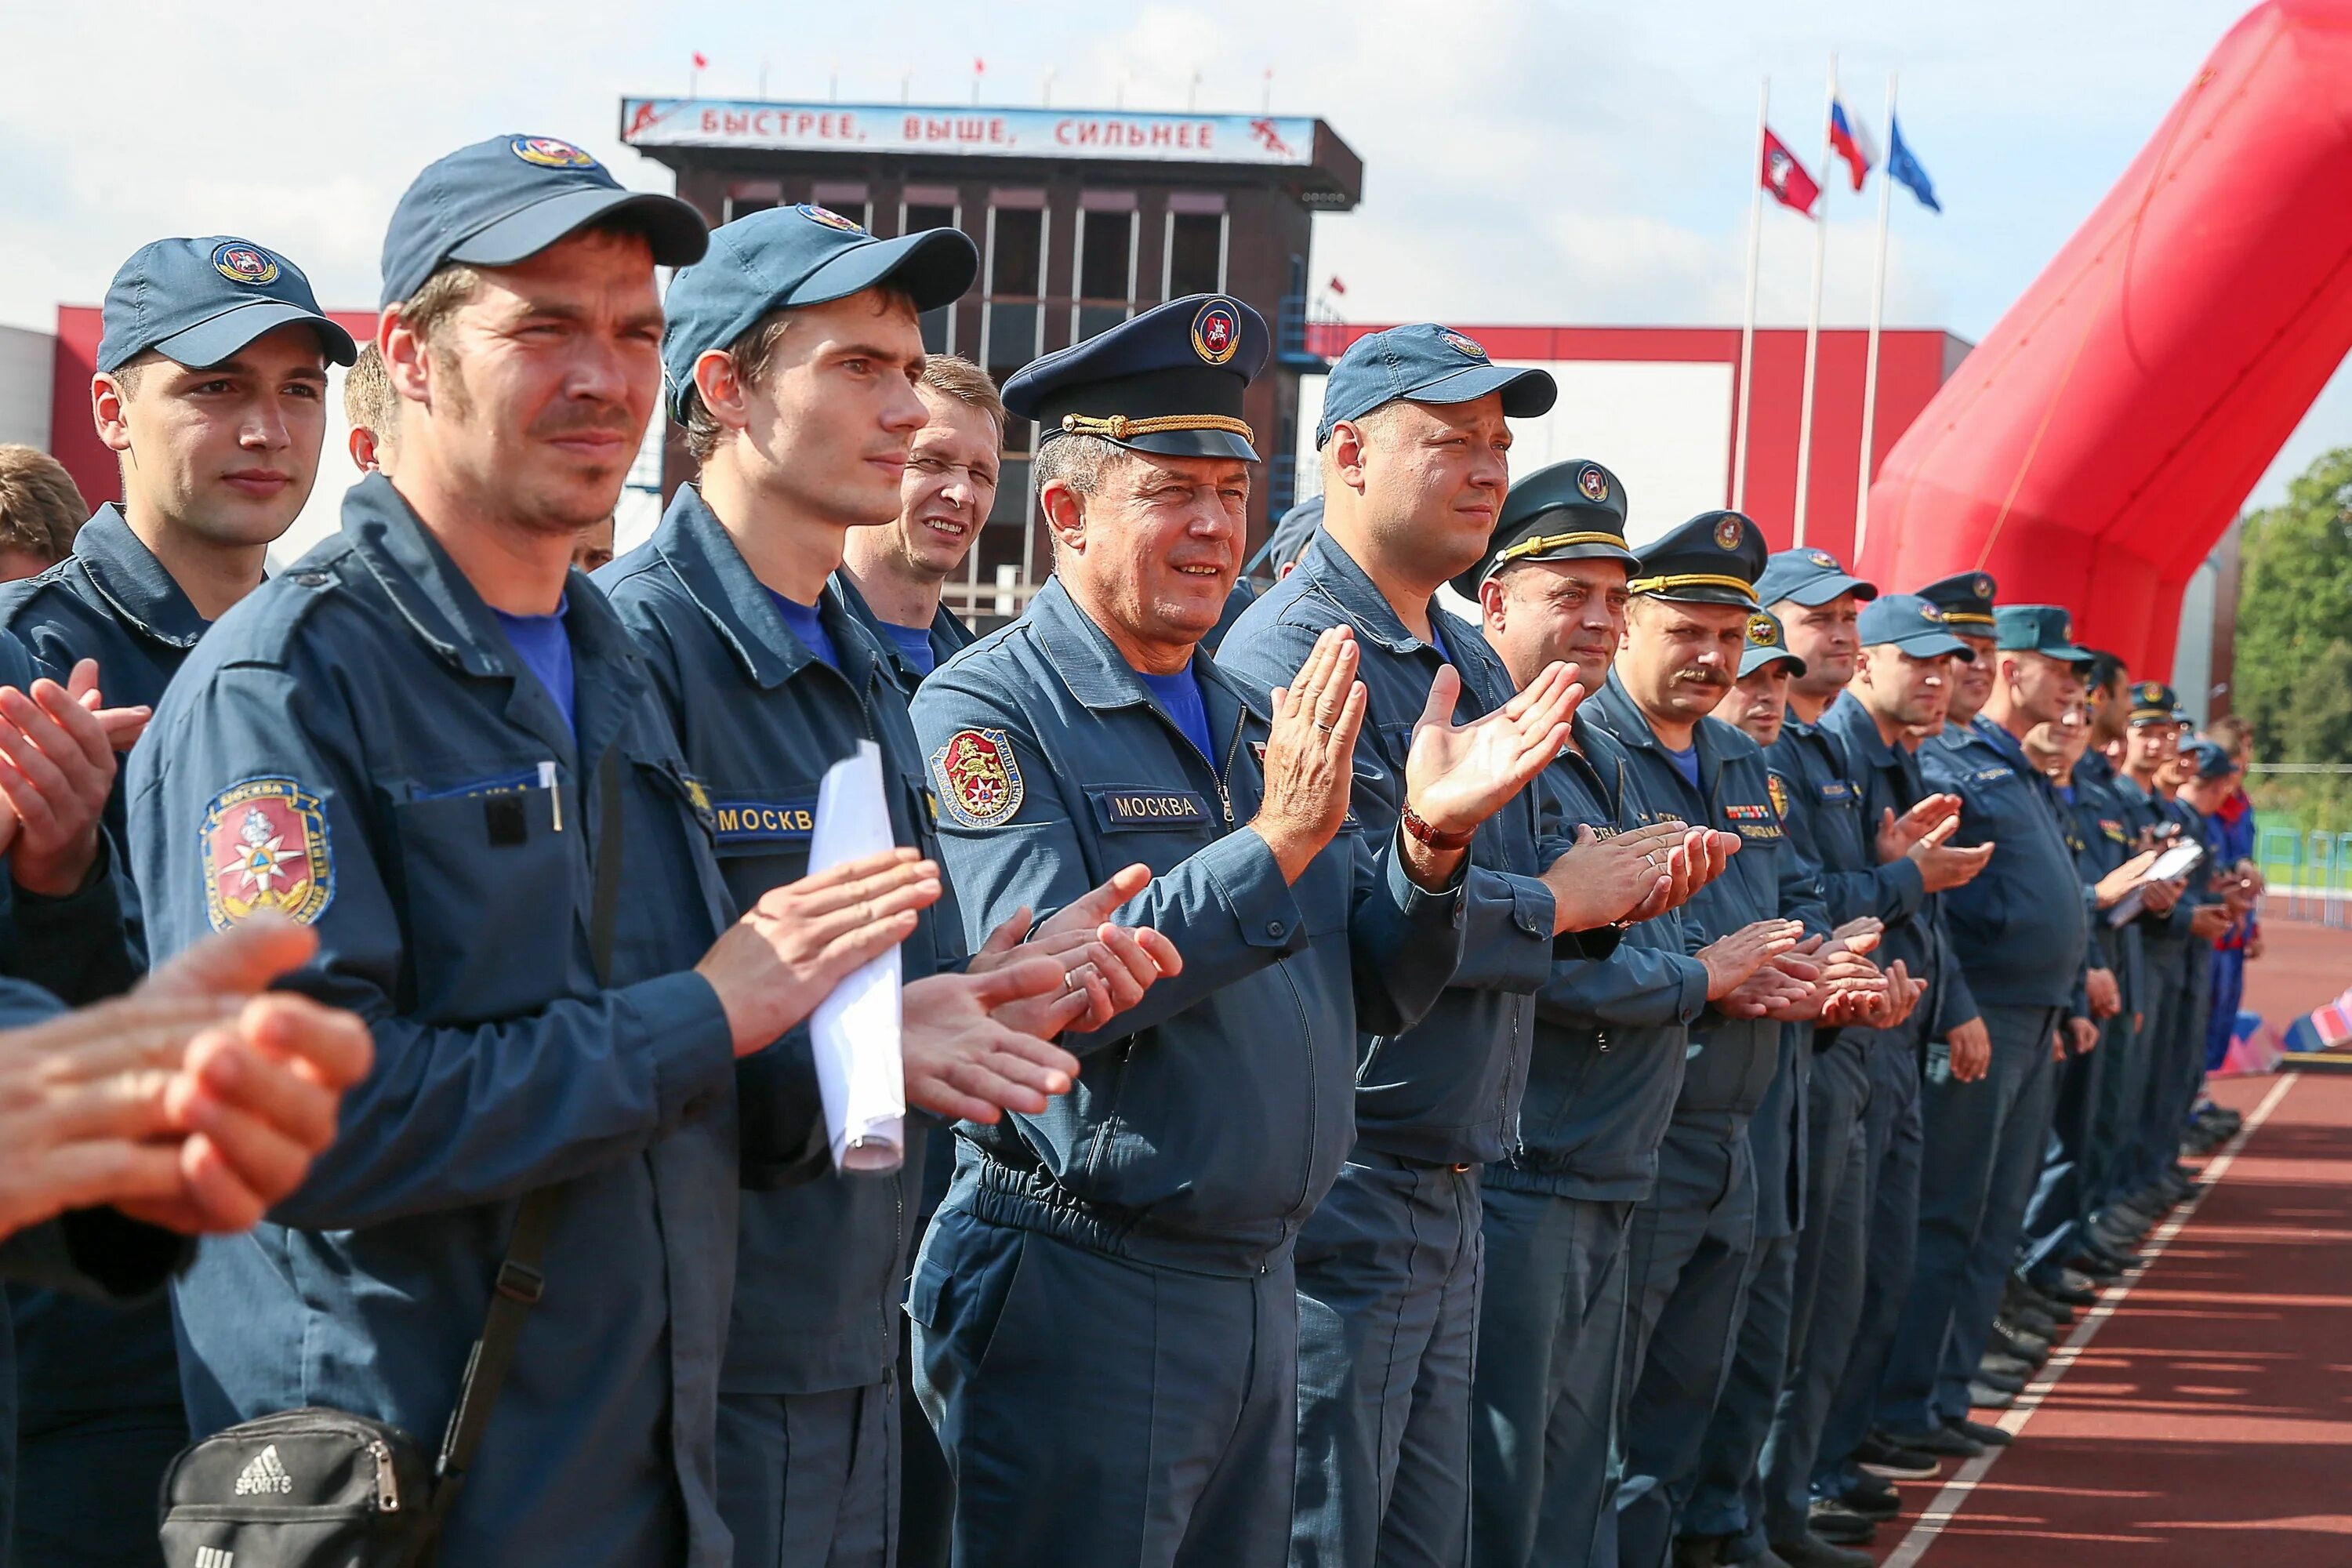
(1833, 1253)
(1098, 1410)
(1388, 1270)
(2122, 1087)
(926, 1490)
(811, 1480)
(1892, 1147)
(1544, 1396)
(2188, 1065)
(2061, 1201)
(1688, 1267)
(1728, 1495)
(1983, 1145)
(2154, 1132)
(2228, 990)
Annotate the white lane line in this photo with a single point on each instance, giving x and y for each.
(1948, 1502)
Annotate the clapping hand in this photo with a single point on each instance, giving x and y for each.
(1310, 754)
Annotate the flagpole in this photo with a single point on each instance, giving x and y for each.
(1748, 324)
(1813, 320)
(1870, 357)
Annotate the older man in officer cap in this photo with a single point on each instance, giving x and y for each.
(1413, 440)
(1692, 1239)
(1106, 1322)
(434, 743)
(2021, 930)
(1605, 1064)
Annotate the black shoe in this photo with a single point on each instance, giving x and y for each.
(2038, 1324)
(2096, 1265)
(2099, 1252)
(1881, 1456)
(1942, 1441)
(2119, 1237)
(1813, 1552)
(1984, 1377)
(1979, 1432)
(2007, 1365)
(1833, 1521)
(2032, 1297)
(1984, 1395)
(1875, 1497)
(2016, 1342)
(2073, 1288)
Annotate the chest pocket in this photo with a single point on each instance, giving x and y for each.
(490, 889)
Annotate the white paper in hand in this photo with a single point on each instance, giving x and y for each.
(855, 1032)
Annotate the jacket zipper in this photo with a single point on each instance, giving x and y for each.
(1225, 796)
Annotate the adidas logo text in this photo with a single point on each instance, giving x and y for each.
(266, 1474)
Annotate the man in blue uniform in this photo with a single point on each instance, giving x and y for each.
(211, 386)
(435, 744)
(1106, 1322)
(1604, 1065)
(1691, 1239)
(1902, 684)
(791, 353)
(893, 578)
(2020, 930)
(1414, 444)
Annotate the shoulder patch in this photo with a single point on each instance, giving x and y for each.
(979, 778)
(265, 847)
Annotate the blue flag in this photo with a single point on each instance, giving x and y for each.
(1905, 170)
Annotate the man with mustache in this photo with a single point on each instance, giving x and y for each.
(210, 387)
(1414, 439)
(1693, 593)
(1901, 689)
(1107, 1323)
(2021, 929)
(892, 576)
(1604, 1067)
(435, 743)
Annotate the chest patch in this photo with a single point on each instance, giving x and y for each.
(2112, 830)
(1149, 808)
(265, 847)
(1992, 775)
(1778, 791)
(788, 821)
(979, 779)
(1836, 790)
(1756, 812)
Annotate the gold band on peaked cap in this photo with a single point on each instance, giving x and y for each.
(1967, 618)
(1740, 585)
(1118, 426)
(1542, 542)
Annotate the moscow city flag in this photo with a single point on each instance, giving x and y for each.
(1785, 178)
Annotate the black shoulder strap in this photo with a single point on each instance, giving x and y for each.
(519, 1280)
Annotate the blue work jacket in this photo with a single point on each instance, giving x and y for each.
(2022, 925)
(1210, 1119)
(366, 711)
(1445, 1092)
(949, 635)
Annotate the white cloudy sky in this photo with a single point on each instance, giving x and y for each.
(1526, 162)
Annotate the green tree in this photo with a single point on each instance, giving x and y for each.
(2294, 669)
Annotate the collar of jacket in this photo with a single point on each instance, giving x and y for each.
(1098, 675)
(1331, 570)
(2011, 750)
(712, 570)
(943, 632)
(441, 604)
(1849, 721)
(127, 575)
(1631, 727)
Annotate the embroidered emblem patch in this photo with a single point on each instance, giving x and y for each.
(1779, 792)
(1984, 587)
(830, 218)
(2150, 693)
(241, 263)
(759, 821)
(1217, 332)
(1762, 632)
(1824, 560)
(1592, 484)
(1727, 532)
(549, 153)
(980, 782)
(1463, 345)
(265, 847)
(1929, 613)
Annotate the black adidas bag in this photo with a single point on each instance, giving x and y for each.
(325, 1488)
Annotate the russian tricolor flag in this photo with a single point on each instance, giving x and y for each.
(1850, 142)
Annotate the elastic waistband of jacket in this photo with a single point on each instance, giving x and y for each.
(1004, 1195)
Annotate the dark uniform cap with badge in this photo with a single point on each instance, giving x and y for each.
(1766, 641)
(1713, 559)
(1426, 363)
(1912, 622)
(2153, 702)
(1808, 577)
(1569, 512)
(506, 199)
(199, 301)
(1967, 601)
(801, 254)
(2039, 628)
(1168, 381)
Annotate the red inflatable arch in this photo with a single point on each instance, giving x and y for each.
(2099, 440)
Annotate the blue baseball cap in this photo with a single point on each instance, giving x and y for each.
(1171, 380)
(2213, 759)
(1808, 577)
(2039, 628)
(1911, 623)
(792, 256)
(1766, 641)
(506, 199)
(1426, 363)
(198, 301)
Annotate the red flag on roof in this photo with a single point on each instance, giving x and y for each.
(700, 62)
(1785, 178)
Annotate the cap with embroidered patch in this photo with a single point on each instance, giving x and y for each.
(788, 257)
(2038, 628)
(1426, 363)
(1767, 642)
(505, 200)
(1713, 559)
(1568, 511)
(1171, 381)
(1967, 601)
(198, 301)
(1808, 578)
(1909, 622)
(2153, 702)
